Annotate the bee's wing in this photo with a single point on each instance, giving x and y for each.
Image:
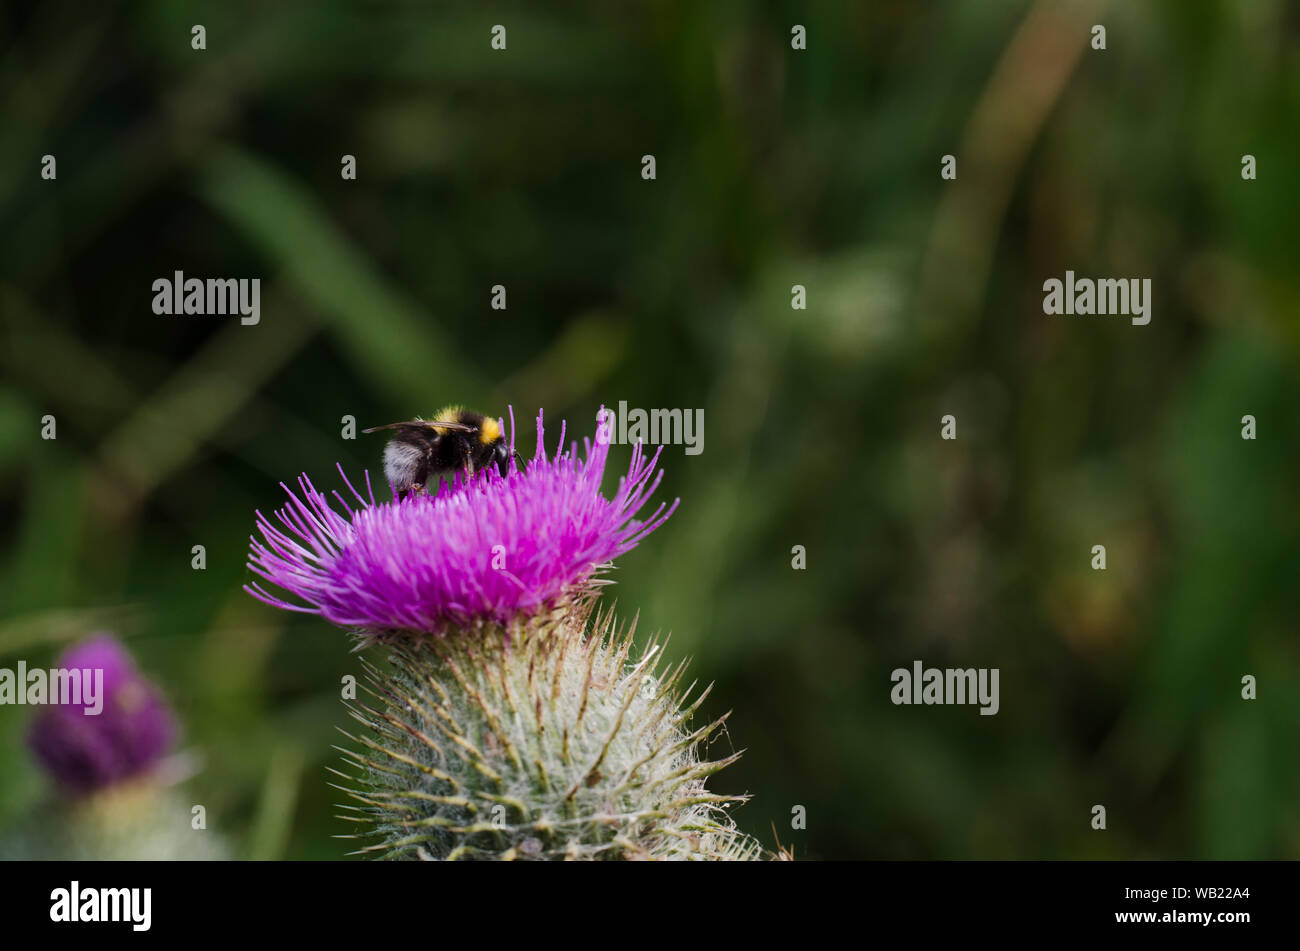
(425, 424)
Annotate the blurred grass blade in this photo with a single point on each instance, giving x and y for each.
(405, 354)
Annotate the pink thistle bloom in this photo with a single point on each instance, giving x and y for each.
(489, 548)
(85, 750)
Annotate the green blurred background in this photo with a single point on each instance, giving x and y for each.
(775, 167)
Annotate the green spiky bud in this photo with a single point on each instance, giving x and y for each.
(545, 739)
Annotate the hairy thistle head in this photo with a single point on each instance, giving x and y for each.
(546, 743)
(510, 719)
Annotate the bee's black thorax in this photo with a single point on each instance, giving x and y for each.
(421, 451)
(476, 450)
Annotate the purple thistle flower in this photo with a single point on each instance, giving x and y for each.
(487, 548)
(133, 731)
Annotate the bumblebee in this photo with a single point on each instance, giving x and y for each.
(456, 439)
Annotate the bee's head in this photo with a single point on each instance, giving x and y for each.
(501, 455)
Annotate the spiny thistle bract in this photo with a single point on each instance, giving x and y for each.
(512, 721)
(550, 743)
